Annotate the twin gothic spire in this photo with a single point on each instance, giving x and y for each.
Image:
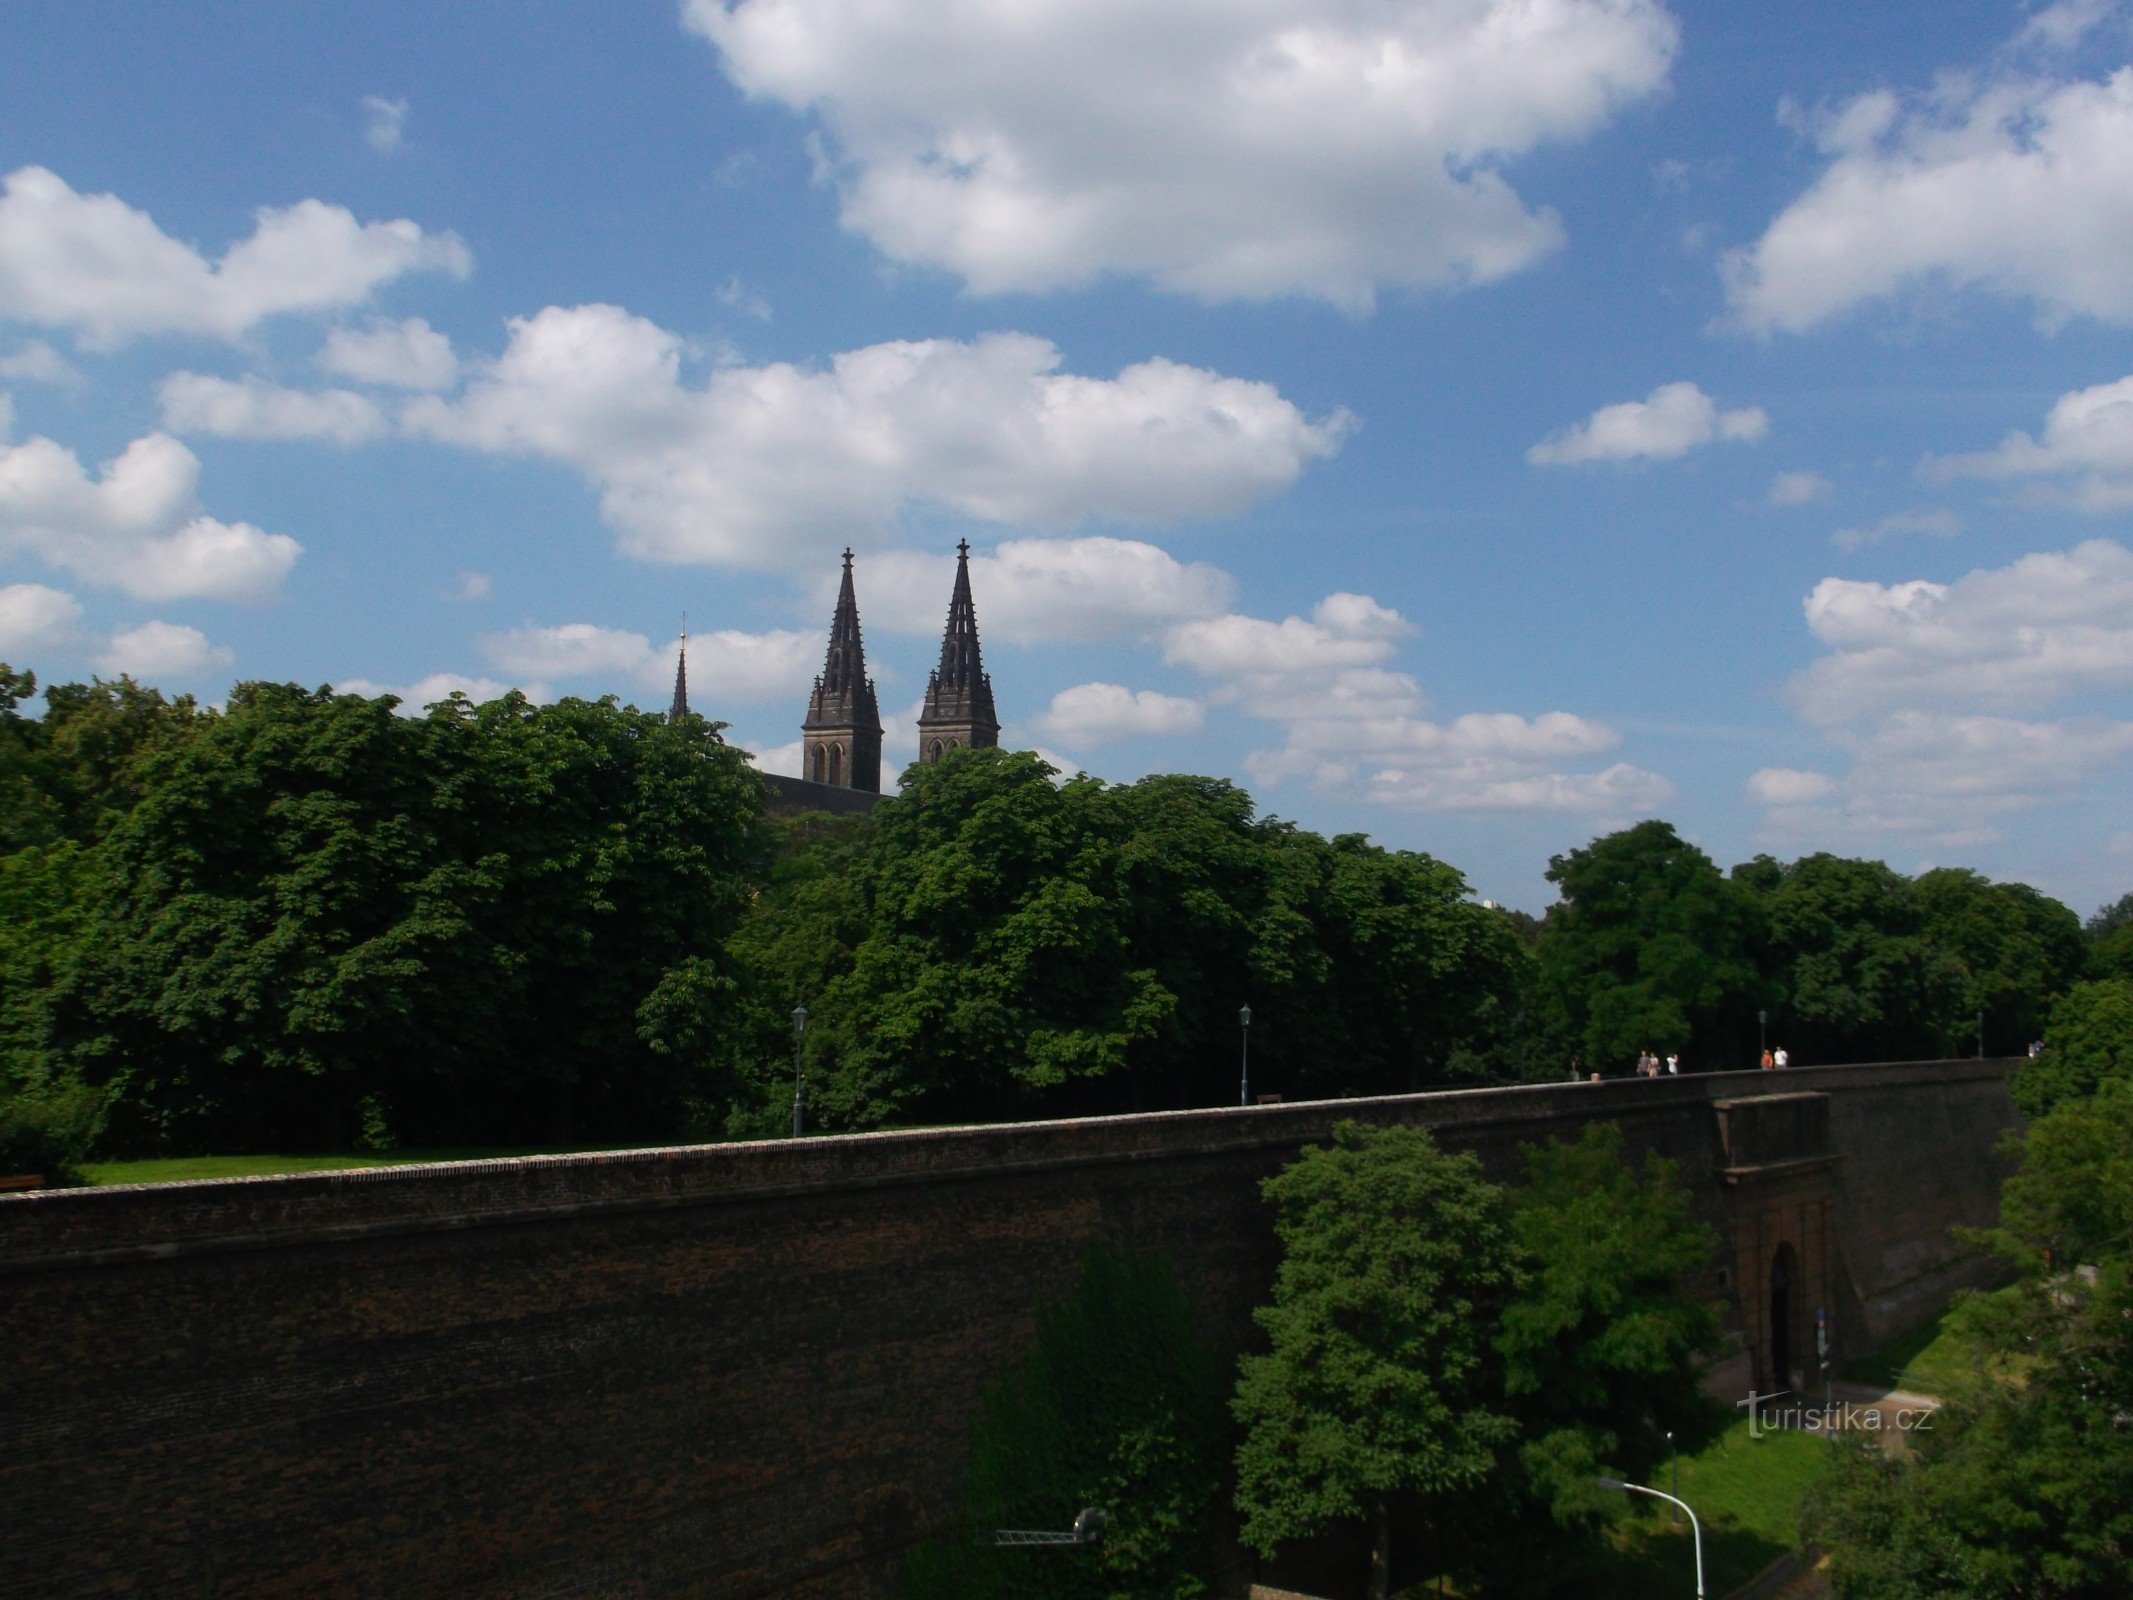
(840, 742)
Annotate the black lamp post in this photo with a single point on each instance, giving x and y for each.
(799, 1026)
(1762, 1032)
(1981, 1036)
(1244, 1078)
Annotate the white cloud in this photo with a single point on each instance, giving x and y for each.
(475, 585)
(137, 527)
(772, 467)
(725, 668)
(2014, 183)
(1043, 591)
(416, 697)
(92, 263)
(252, 408)
(740, 298)
(1091, 713)
(1675, 419)
(1355, 727)
(409, 354)
(2009, 638)
(38, 362)
(1799, 488)
(1921, 679)
(157, 651)
(2087, 443)
(573, 650)
(784, 759)
(384, 123)
(1938, 524)
(1247, 150)
(34, 618)
(1789, 786)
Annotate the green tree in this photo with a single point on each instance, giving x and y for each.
(1378, 1380)
(1859, 979)
(2110, 933)
(28, 813)
(1604, 1339)
(2019, 949)
(2023, 1487)
(2088, 1043)
(1118, 1405)
(1648, 947)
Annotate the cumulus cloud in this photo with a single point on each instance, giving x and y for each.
(1799, 488)
(158, 651)
(92, 263)
(137, 526)
(1789, 786)
(2017, 182)
(1240, 151)
(1355, 727)
(1923, 679)
(416, 697)
(1092, 713)
(771, 467)
(2009, 638)
(409, 354)
(1675, 419)
(2086, 450)
(384, 123)
(34, 618)
(37, 362)
(1044, 591)
(1938, 524)
(725, 667)
(252, 408)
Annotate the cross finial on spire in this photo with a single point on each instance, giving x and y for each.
(847, 558)
(962, 548)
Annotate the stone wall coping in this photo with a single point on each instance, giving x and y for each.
(71, 1228)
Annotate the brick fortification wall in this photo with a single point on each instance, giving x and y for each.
(731, 1371)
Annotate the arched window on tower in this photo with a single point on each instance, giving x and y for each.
(821, 763)
(936, 749)
(836, 763)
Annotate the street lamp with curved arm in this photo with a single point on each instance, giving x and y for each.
(1695, 1527)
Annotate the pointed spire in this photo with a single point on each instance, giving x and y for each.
(680, 707)
(959, 708)
(844, 669)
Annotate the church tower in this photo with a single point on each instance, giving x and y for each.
(840, 742)
(958, 711)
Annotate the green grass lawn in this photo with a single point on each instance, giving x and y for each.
(177, 1169)
(1748, 1494)
(1928, 1360)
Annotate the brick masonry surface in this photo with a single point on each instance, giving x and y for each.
(749, 1370)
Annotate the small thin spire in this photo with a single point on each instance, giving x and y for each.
(680, 707)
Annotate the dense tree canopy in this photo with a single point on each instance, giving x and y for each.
(301, 919)
(994, 942)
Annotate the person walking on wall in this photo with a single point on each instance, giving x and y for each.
(1769, 1061)
(1781, 1059)
(1673, 1065)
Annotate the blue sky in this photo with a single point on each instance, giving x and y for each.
(1480, 423)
